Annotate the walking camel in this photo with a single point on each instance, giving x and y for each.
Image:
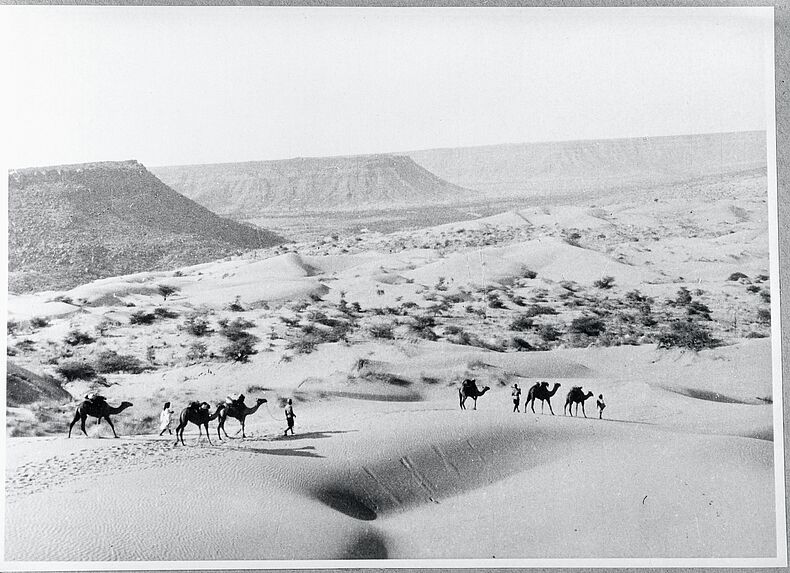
(469, 389)
(199, 415)
(238, 411)
(576, 396)
(96, 409)
(541, 392)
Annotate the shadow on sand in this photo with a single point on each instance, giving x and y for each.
(310, 435)
(301, 451)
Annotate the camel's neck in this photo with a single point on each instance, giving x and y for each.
(554, 390)
(253, 409)
(484, 390)
(117, 409)
(215, 414)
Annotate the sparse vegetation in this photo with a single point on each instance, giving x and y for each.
(76, 370)
(142, 317)
(166, 291)
(162, 312)
(39, 322)
(604, 283)
(764, 316)
(686, 334)
(197, 325)
(197, 351)
(522, 322)
(110, 361)
(588, 325)
(240, 350)
(737, 276)
(77, 337)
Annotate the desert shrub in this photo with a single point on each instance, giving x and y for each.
(686, 334)
(589, 325)
(110, 361)
(753, 288)
(289, 321)
(528, 274)
(76, 370)
(236, 329)
(166, 290)
(76, 337)
(518, 300)
(236, 306)
(142, 317)
(10, 351)
(459, 297)
(197, 325)
(63, 298)
(754, 334)
(696, 308)
(761, 278)
(737, 276)
(197, 351)
(521, 323)
(12, 326)
(538, 309)
(604, 283)
(39, 322)
(150, 354)
(409, 305)
(240, 350)
(380, 330)
(162, 312)
(571, 286)
(764, 316)
(548, 332)
(495, 302)
(25, 345)
(453, 329)
(765, 295)
(520, 344)
(304, 345)
(572, 238)
(683, 297)
(441, 284)
(423, 321)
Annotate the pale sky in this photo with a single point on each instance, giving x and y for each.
(176, 85)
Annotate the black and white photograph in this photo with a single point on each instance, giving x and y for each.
(332, 286)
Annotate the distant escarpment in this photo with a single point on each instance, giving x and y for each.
(72, 224)
(250, 189)
(570, 166)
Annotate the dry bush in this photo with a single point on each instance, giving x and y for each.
(76, 370)
(110, 361)
(142, 317)
(76, 337)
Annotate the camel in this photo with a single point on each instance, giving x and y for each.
(197, 415)
(541, 392)
(238, 411)
(96, 409)
(576, 396)
(469, 390)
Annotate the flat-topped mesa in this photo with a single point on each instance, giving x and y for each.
(72, 224)
(26, 175)
(311, 184)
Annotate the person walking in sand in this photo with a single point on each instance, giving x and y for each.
(601, 405)
(289, 417)
(516, 397)
(165, 419)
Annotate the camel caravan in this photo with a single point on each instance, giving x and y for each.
(197, 413)
(200, 414)
(540, 391)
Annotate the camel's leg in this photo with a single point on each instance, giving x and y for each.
(531, 405)
(550, 408)
(82, 424)
(243, 435)
(475, 406)
(111, 426)
(583, 412)
(207, 436)
(74, 421)
(542, 403)
(180, 433)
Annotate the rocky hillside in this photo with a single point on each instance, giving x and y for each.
(251, 189)
(554, 167)
(71, 224)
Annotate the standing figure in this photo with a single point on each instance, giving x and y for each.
(601, 405)
(516, 397)
(289, 417)
(165, 419)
